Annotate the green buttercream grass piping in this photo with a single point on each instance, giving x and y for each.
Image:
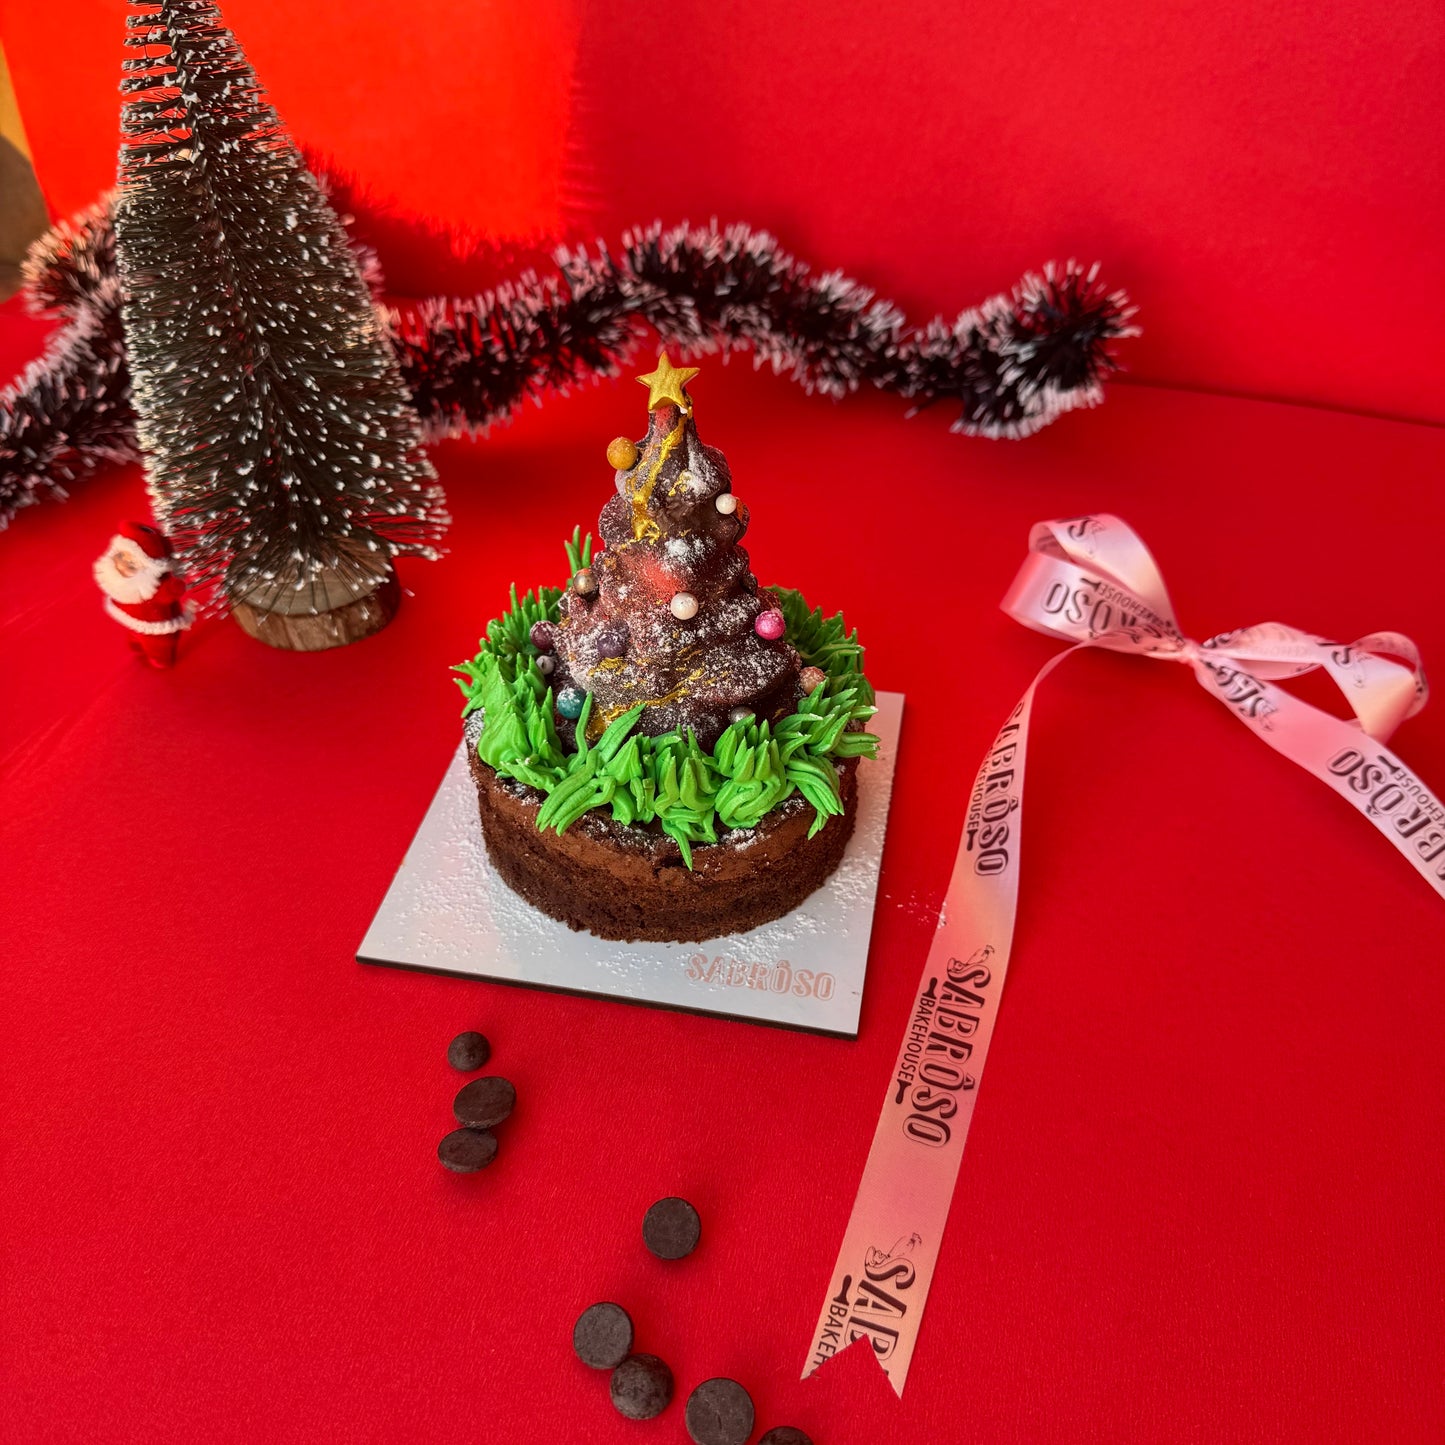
(753, 768)
(579, 552)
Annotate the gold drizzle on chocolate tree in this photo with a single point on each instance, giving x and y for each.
(644, 529)
(666, 387)
(599, 720)
(662, 536)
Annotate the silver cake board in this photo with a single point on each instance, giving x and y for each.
(447, 912)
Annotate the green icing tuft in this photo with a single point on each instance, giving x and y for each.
(668, 779)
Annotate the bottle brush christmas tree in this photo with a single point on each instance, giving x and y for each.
(283, 455)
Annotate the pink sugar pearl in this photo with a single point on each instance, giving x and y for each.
(770, 624)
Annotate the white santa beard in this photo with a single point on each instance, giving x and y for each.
(140, 587)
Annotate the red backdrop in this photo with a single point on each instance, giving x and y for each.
(1268, 179)
(1201, 1200)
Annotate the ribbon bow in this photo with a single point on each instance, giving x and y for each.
(1092, 581)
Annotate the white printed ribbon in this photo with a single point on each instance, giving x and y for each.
(1092, 581)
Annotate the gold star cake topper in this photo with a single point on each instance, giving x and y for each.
(665, 385)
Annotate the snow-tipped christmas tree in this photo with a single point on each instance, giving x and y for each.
(669, 614)
(283, 453)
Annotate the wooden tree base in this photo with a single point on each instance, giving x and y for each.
(316, 631)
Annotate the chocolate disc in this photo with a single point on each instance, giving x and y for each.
(602, 1336)
(671, 1228)
(786, 1435)
(464, 1151)
(468, 1051)
(719, 1412)
(641, 1387)
(484, 1103)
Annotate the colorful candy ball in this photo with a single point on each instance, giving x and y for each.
(622, 454)
(813, 678)
(612, 640)
(541, 635)
(683, 606)
(570, 700)
(726, 503)
(584, 582)
(770, 624)
(546, 664)
(739, 714)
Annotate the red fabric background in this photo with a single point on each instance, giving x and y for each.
(1201, 1200)
(1267, 179)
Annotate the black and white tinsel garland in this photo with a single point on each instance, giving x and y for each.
(69, 412)
(1013, 364)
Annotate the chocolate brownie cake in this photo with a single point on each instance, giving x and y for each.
(664, 749)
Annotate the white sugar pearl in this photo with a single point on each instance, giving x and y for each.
(684, 606)
(726, 503)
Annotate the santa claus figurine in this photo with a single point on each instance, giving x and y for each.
(143, 593)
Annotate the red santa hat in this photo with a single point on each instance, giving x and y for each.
(146, 539)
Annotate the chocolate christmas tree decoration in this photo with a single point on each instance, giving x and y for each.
(669, 615)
